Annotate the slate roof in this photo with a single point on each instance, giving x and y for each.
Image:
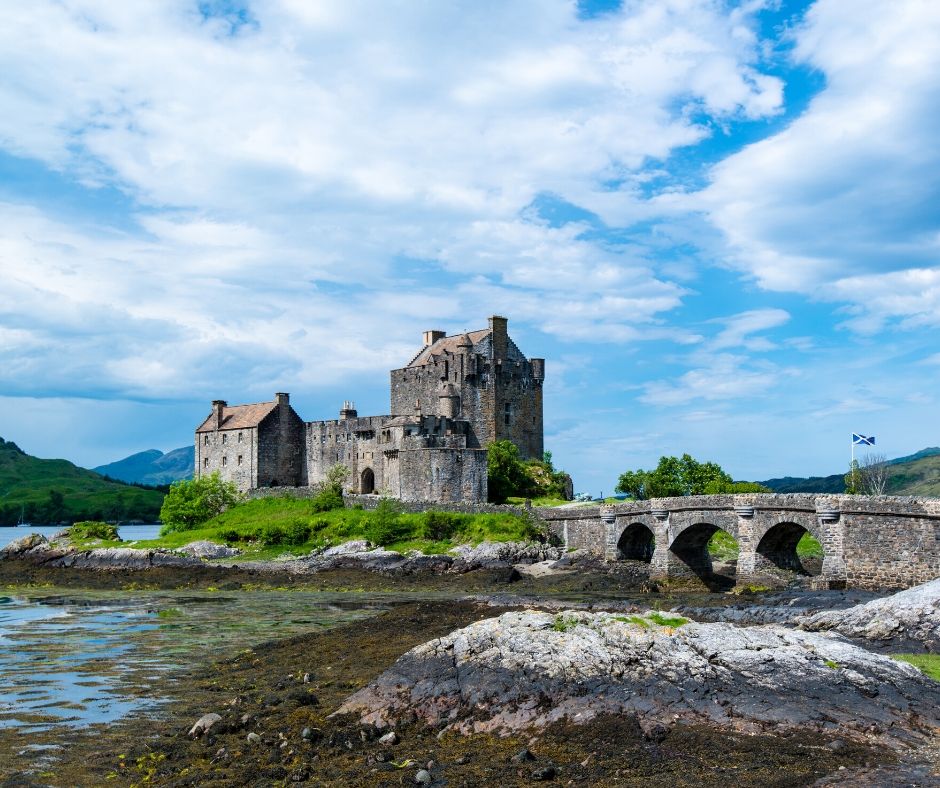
(238, 417)
(447, 345)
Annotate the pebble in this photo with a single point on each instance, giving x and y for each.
(254, 738)
(523, 755)
(389, 738)
(545, 773)
(306, 678)
(423, 777)
(306, 733)
(203, 724)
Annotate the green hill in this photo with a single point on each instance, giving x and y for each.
(53, 491)
(915, 474)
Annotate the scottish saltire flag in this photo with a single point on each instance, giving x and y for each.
(861, 440)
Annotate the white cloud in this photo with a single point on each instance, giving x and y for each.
(840, 205)
(280, 171)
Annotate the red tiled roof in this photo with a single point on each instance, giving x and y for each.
(237, 417)
(447, 345)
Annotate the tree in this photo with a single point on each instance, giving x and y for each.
(190, 503)
(677, 476)
(874, 473)
(505, 472)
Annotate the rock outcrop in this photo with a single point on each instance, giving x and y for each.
(908, 619)
(529, 669)
(208, 550)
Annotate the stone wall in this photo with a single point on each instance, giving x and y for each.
(231, 453)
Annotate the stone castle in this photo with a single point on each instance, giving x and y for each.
(456, 396)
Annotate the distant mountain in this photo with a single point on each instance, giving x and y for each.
(915, 474)
(152, 467)
(53, 491)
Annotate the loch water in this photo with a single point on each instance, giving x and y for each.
(72, 658)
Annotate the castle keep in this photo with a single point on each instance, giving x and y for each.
(457, 395)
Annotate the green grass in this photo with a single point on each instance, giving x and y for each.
(29, 486)
(667, 621)
(928, 664)
(564, 623)
(832, 664)
(514, 500)
(269, 527)
(723, 546)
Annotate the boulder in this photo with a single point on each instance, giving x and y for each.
(31, 544)
(208, 550)
(530, 669)
(203, 724)
(487, 555)
(346, 548)
(908, 619)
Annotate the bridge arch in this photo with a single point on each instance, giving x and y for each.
(777, 547)
(689, 549)
(636, 543)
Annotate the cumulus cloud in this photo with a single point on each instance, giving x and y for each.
(289, 164)
(840, 205)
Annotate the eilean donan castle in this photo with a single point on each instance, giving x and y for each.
(457, 395)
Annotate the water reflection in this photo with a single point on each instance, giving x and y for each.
(76, 659)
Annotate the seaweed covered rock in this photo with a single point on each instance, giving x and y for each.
(530, 669)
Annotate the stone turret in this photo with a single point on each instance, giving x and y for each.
(449, 400)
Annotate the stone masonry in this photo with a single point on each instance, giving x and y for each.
(868, 542)
(458, 394)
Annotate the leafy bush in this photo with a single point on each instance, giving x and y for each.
(326, 500)
(190, 503)
(91, 529)
(386, 524)
(439, 526)
(292, 532)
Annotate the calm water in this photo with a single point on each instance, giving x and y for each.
(126, 532)
(78, 658)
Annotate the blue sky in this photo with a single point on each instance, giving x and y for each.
(718, 221)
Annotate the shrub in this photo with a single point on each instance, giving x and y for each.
(190, 503)
(441, 526)
(293, 532)
(326, 500)
(92, 529)
(385, 525)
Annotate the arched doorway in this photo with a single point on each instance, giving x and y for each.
(636, 543)
(779, 547)
(367, 482)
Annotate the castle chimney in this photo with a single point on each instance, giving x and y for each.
(218, 408)
(538, 368)
(430, 337)
(500, 336)
(348, 411)
(282, 399)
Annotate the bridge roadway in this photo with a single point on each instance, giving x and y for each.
(882, 542)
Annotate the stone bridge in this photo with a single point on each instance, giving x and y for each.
(867, 542)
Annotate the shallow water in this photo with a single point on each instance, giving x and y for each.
(72, 659)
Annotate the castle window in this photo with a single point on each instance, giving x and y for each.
(206, 440)
(224, 461)
(205, 462)
(507, 416)
(239, 459)
(239, 437)
(224, 436)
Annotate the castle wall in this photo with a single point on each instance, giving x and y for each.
(280, 452)
(233, 453)
(355, 443)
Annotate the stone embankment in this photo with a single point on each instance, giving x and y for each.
(906, 620)
(357, 555)
(530, 669)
